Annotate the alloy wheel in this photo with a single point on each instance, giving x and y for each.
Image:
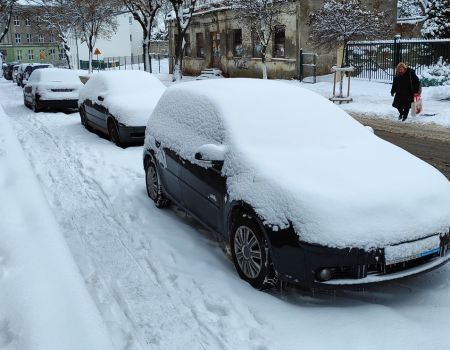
(248, 252)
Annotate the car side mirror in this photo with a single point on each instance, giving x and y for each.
(211, 153)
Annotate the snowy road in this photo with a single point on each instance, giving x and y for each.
(160, 282)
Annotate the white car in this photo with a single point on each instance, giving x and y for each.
(52, 88)
(299, 190)
(119, 103)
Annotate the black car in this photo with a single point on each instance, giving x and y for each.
(119, 103)
(8, 70)
(30, 69)
(253, 173)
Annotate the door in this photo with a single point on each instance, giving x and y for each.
(96, 114)
(169, 169)
(203, 191)
(215, 50)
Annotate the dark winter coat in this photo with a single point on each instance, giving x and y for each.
(405, 86)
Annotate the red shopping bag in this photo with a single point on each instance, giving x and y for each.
(416, 105)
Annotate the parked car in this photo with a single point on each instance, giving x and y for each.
(119, 103)
(299, 190)
(8, 70)
(31, 68)
(20, 73)
(14, 72)
(52, 88)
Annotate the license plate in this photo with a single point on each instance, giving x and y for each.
(413, 250)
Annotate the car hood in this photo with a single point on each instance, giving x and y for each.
(366, 193)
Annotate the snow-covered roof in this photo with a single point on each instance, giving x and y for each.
(130, 96)
(297, 158)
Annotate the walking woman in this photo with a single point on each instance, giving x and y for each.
(405, 85)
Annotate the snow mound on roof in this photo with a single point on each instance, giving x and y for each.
(130, 96)
(297, 158)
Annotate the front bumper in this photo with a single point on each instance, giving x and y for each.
(300, 263)
(58, 103)
(131, 134)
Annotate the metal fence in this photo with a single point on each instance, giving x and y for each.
(376, 60)
(158, 63)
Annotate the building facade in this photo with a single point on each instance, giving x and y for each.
(216, 38)
(27, 42)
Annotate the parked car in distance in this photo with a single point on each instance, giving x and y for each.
(52, 88)
(14, 72)
(31, 68)
(300, 191)
(8, 70)
(119, 103)
(20, 73)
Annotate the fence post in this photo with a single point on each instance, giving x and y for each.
(397, 50)
(300, 76)
(159, 63)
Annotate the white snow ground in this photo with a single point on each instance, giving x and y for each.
(159, 282)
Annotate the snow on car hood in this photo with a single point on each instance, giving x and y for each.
(130, 96)
(298, 159)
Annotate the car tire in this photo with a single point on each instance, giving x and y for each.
(36, 107)
(25, 102)
(250, 253)
(154, 189)
(114, 133)
(83, 117)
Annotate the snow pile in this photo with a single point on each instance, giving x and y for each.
(44, 303)
(130, 96)
(280, 156)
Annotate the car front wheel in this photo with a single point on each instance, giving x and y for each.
(153, 185)
(36, 107)
(114, 133)
(250, 253)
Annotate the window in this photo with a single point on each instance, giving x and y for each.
(200, 45)
(18, 38)
(257, 46)
(279, 42)
(30, 54)
(130, 20)
(62, 56)
(19, 55)
(41, 38)
(16, 21)
(52, 38)
(187, 45)
(29, 38)
(237, 42)
(27, 22)
(52, 54)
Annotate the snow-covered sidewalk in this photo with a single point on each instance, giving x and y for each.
(373, 99)
(44, 303)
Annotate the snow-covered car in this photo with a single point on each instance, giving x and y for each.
(52, 88)
(20, 73)
(301, 191)
(119, 103)
(30, 68)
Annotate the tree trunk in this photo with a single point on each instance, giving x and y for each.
(91, 54)
(147, 63)
(263, 61)
(178, 68)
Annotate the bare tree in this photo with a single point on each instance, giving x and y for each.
(264, 18)
(95, 19)
(338, 22)
(57, 17)
(144, 11)
(182, 14)
(6, 10)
